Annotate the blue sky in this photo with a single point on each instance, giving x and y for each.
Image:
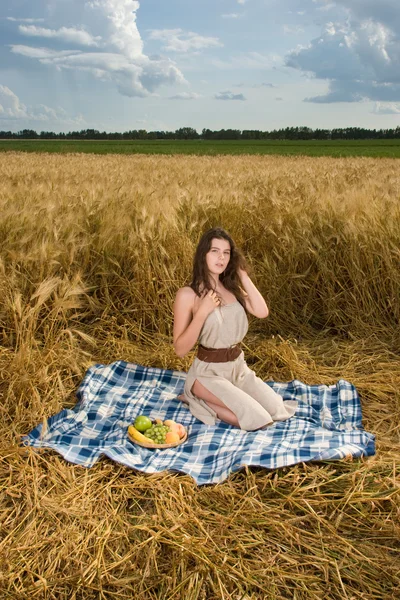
(116, 65)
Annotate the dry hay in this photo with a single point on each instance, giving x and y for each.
(92, 250)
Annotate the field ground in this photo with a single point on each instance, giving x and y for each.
(335, 148)
(92, 251)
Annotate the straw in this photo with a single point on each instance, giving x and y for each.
(93, 249)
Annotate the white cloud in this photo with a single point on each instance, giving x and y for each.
(44, 113)
(185, 96)
(133, 78)
(40, 53)
(67, 34)
(24, 20)
(10, 105)
(177, 40)
(122, 61)
(120, 20)
(12, 109)
(358, 56)
(357, 91)
(241, 1)
(106, 61)
(386, 12)
(229, 96)
(386, 109)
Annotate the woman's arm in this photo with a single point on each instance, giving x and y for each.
(255, 303)
(187, 327)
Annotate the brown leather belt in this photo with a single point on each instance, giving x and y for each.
(218, 355)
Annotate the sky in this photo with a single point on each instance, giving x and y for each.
(117, 65)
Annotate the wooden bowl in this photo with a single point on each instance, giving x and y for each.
(161, 446)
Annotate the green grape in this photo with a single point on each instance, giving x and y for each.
(157, 433)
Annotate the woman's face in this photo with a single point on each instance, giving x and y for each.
(218, 256)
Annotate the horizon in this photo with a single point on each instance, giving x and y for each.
(186, 133)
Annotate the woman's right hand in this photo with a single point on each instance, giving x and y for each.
(209, 301)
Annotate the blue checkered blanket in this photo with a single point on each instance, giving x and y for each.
(326, 426)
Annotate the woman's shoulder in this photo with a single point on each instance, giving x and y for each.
(186, 291)
(186, 294)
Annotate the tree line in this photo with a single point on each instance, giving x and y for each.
(189, 133)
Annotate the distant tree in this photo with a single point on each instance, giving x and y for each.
(232, 134)
(160, 135)
(48, 135)
(7, 135)
(207, 134)
(305, 133)
(322, 134)
(186, 133)
(252, 134)
(142, 134)
(28, 134)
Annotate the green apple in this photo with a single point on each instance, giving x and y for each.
(142, 423)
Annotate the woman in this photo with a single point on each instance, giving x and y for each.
(212, 310)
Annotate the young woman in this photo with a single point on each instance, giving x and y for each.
(212, 311)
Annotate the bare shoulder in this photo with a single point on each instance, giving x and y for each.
(185, 296)
(186, 292)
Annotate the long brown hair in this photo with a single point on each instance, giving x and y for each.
(201, 279)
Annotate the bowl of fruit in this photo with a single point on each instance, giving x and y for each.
(157, 433)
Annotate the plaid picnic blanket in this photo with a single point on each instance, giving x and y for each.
(326, 426)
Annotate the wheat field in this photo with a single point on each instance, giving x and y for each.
(92, 251)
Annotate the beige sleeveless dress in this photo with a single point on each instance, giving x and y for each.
(254, 402)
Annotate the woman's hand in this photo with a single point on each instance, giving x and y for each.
(188, 326)
(209, 301)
